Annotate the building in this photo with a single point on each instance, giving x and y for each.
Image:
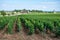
(24, 11)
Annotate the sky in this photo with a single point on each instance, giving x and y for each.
(45, 5)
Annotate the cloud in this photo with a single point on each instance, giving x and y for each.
(9, 5)
(44, 7)
(33, 5)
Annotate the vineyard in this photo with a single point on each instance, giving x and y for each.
(43, 23)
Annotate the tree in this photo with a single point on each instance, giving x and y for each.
(12, 13)
(17, 10)
(3, 13)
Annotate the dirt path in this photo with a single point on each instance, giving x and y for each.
(2, 31)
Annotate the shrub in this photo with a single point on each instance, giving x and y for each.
(19, 26)
(57, 30)
(29, 26)
(48, 26)
(10, 25)
(22, 20)
(39, 25)
(3, 22)
(3, 13)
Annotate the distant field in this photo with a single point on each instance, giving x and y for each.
(42, 15)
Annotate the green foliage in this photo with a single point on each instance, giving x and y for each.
(39, 25)
(37, 11)
(56, 23)
(29, 26)
(48, 25)
(19, 26)
(22, 20)
(10, 25)
(12, 13)
(3, 13)
(57, 28)
(43, 22)
(17, 10)
(32, 22)
(57, 32)
(3, 22)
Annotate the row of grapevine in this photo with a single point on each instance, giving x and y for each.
(3, 22)
(22, 20)
(31, 23)
(37, 24)
(28, 25)
(57, 28)
(18, 23)
(10, 25)
(44, 25)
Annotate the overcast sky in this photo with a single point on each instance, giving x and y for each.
(45, 5)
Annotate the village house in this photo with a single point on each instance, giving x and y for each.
(24, 11)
